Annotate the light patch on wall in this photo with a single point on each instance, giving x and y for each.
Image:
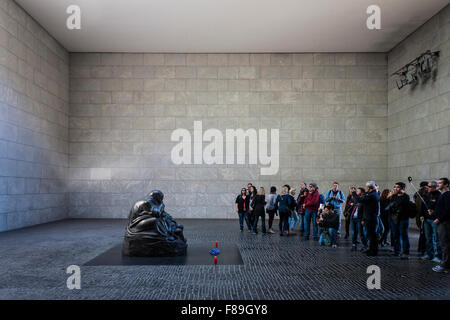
(213, 153)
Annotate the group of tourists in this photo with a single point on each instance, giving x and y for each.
(376, 219)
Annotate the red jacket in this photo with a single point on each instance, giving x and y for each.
(312, 201)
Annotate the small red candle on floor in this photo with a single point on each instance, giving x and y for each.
(217, 243)
(215, 260)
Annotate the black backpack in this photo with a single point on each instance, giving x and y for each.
(412, 209)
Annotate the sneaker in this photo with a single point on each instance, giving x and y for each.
(440, 268)
(354, 248)
(250, 230)
(436, 260)
(271, 231)
(242, 230)
(364, 249)
(404, 256)
(425, 257)
(334, 246)
(255, 233)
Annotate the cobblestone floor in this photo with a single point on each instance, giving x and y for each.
(34, 260)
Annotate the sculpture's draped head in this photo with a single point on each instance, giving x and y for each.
(157, 196)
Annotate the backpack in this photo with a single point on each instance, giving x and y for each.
(326, 238)
(412, 209)
(338, 194)
(291, 202)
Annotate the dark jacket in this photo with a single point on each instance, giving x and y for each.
(383, 204)
(259, 204)
(370, 203)
(243, 205)
(357, 206)
(431, 199)
(284, 202)
(442, 209)
(330, 221)
(293, 203)
(399, 205)
(349, 205)
(421, 209)
(300, 200)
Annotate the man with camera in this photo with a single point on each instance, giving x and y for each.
(370, 203)
(399, 216)
(336, 197)
(427, 216)
(328, 222)
(442, 212)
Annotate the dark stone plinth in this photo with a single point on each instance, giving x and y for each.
(151, 231)
(142, 246)
(196, 254)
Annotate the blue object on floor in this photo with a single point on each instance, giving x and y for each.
(214, 252)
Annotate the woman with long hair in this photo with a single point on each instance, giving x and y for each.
(259, 204)
(284, 204)
(251, 216)
(348, 209)
(242, 207)
(300, 209)
(384, 215)
(293, 219)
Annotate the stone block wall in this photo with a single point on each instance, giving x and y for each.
(87, 134)
(419, 116)
(331, 110)
(34, 107)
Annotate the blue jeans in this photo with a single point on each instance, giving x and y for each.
(302, 222)
(338, 211)
(333, 235)
(263, 224)
(293, 220)
(244, 215)
(357, 228)
(380, 227)
(401, 238)
(432, 238)
(307, 223)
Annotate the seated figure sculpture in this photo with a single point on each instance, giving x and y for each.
(151, 231)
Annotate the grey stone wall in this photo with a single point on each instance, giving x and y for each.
(419, 117)
(331, 110)
(338, 115)
(34, 92)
